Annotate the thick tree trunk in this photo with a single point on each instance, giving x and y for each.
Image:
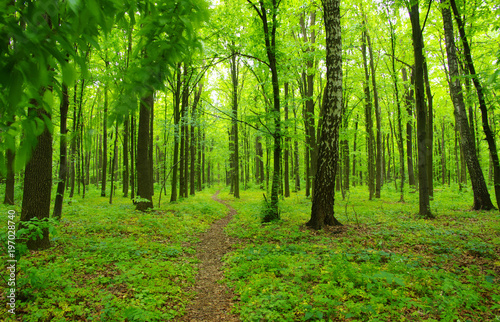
(424, 205)
(144, 175)
(482, 102)
(38, 182)
(322, 212)
(481, 196)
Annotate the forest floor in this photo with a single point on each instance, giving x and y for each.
(214, 300)
(205, 259)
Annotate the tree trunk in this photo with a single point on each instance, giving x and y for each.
(177, 117)
(38, 182)
(369, 123)
(235, 168)
(482, 103)
(287, 147)
(144, 175)
(423, 179)
(104, 136)
(409, 127)
(133, 156)
(322, 212)
(63, 148)
(481, 196)
(125, 157)
(378, 155)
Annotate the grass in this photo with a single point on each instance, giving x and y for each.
(384, 264)
(111, 263)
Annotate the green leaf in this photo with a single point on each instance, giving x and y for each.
(69, 74)
(74, 5)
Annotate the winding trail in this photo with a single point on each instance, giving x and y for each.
(213, 301)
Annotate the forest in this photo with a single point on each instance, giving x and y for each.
(250, 160)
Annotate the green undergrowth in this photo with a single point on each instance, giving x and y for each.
(112, 263)
(384, 264)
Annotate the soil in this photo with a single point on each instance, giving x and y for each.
(213, 300)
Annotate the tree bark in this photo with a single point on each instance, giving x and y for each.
(378, 155)
(287, 148)
(177, 117)
(322, 212)
(481, 196)
(144, 175)
(235, 168)
(369, 123)
(409, 127)
(63, 150)
(38, 182)
(423, 179)
(482, 102)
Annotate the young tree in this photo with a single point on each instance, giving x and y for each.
(322, 212)
(270, 28)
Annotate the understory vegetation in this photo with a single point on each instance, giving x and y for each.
(382, 265)
(112, 263)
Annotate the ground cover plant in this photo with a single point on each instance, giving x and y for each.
(112, 263)
(384, 264)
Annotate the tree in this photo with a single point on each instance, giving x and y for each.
(481, 196)
(482, 102)
(270, 44)
(322, 213)
(423, 179)
(144, 175)
(63, 148)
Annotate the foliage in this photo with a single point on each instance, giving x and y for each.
(383, 265)
(111, 263)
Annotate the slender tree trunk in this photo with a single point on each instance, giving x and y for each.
(63, 148)
(132, 156)
(105, 137)
(113, 166)
(235, 170)
(125, 157)
(322, 212)
(354, 146)
(369, 123)
(482, 102)
(151, 147)
(177, 117)
(378, 155)
(409, 128)
(287, 147)
(481, 195)
(424, 205)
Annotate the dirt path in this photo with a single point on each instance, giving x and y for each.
(213, 301)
